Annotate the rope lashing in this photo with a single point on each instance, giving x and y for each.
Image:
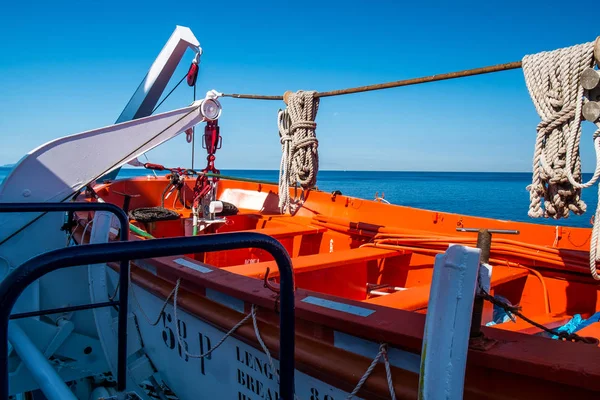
(251, 315)
(299, 158)
(553, 80)
(382, 354)
(174, 293)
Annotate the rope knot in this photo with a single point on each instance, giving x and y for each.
(555, 98)
(285, 139)
(303, 125)
(382, 354)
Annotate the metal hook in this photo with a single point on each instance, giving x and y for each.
(268, 284)
(197, 55)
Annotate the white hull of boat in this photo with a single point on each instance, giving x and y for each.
(233, 371)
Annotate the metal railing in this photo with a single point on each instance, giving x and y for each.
(18, 280)
(123, 280)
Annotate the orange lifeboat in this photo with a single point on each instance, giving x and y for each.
(370, 266)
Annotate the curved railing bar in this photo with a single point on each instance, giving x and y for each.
(123, 271)
(20, 278)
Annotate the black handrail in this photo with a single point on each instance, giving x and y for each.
(62, 310)
(20, 278)
(123, 271)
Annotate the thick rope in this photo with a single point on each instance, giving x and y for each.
(388, 372)
(553, 81)
(299, 158)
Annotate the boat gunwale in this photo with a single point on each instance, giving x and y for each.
(514, 352)
(481, 365)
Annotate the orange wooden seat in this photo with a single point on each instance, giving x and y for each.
(412, 299)
(289, 230)
(417, 297)
(293, 237)
(316, 261)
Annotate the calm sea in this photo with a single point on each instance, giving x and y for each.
(485, 194)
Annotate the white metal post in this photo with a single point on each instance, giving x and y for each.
(49, 381)
(448, 322)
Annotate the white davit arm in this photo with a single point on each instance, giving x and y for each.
(148, 93)
(58, 169)
(154, 83)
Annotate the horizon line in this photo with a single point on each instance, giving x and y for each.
(350, 170)
(370, 170)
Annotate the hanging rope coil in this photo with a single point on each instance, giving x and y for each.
(553, 81)
(299, 158)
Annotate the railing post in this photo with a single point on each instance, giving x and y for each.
(484, 243)
(446, 336)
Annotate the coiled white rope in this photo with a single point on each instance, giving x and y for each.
(553, 81)
(388, 372)
(299, 155)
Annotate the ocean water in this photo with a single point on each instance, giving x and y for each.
(486, 194)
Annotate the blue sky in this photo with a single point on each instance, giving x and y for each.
(67, 67)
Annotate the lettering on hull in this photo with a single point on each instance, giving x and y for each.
(233, 371)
